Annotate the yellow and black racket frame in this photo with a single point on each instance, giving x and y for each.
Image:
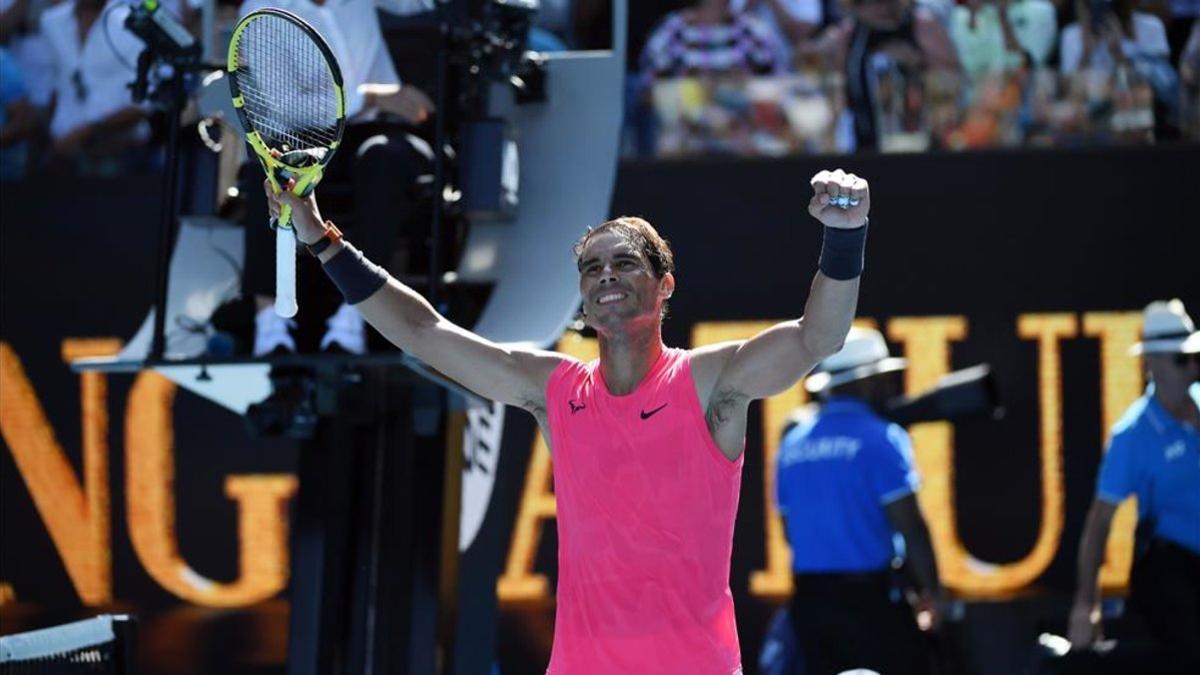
(279, 172)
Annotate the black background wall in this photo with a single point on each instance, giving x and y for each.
(988, 236)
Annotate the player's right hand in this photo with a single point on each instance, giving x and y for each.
(306, 216)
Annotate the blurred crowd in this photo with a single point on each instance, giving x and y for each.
(65, 99)
(67, 66)
(775, 76)
(743, 76)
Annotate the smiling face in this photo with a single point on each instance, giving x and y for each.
(618, 281)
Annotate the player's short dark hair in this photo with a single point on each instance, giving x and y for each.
(641, 235)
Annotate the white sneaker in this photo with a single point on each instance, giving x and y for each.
(272, 333)
(346, 330)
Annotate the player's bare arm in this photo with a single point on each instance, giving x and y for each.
(508, 375)
(730, 375)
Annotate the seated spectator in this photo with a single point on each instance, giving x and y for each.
(710, 38)
(17, 119)
(994, 36)
(95, 126)
(1108, 34)
(792, 21)
(882, 33)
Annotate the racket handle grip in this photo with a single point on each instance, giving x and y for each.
(285, 272)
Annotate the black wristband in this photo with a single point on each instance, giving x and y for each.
(355, 276)
(330, 235)
(842, 252)
(319, 247)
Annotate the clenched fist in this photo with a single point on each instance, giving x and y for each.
(840, 199)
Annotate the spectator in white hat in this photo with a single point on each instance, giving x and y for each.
(845, 485)
(1154, 454)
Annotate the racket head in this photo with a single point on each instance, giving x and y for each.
(287, 89)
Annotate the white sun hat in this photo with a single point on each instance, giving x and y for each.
(864, 354)
(1167, 329)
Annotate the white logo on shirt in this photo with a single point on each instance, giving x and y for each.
(832, 447)
(1174, 451)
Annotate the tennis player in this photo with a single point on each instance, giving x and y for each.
(647, 440)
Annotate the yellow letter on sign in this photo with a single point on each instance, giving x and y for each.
(1121, 378)
(77, 518)
(149, 485)
(927, 348)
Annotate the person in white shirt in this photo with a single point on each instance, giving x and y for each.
(988, 44)
(1118, 34)
(94, 121)
(378, 158)
(1108, 34)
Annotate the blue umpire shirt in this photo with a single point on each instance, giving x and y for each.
(1157, 457)
(835, 474)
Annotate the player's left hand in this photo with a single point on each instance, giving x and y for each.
(840, 199)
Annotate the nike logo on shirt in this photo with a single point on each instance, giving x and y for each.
(648, 415)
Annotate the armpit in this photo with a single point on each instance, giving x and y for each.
(722, 407)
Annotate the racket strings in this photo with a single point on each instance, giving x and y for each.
(290, 96)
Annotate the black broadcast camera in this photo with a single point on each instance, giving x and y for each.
(166, 40)
(961, 394)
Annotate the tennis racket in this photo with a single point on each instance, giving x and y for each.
(287, 90)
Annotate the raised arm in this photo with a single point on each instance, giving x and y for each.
(774, 360)
(730, 375)
(513, 376)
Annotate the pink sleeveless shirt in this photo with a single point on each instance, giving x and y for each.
(646, 507)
